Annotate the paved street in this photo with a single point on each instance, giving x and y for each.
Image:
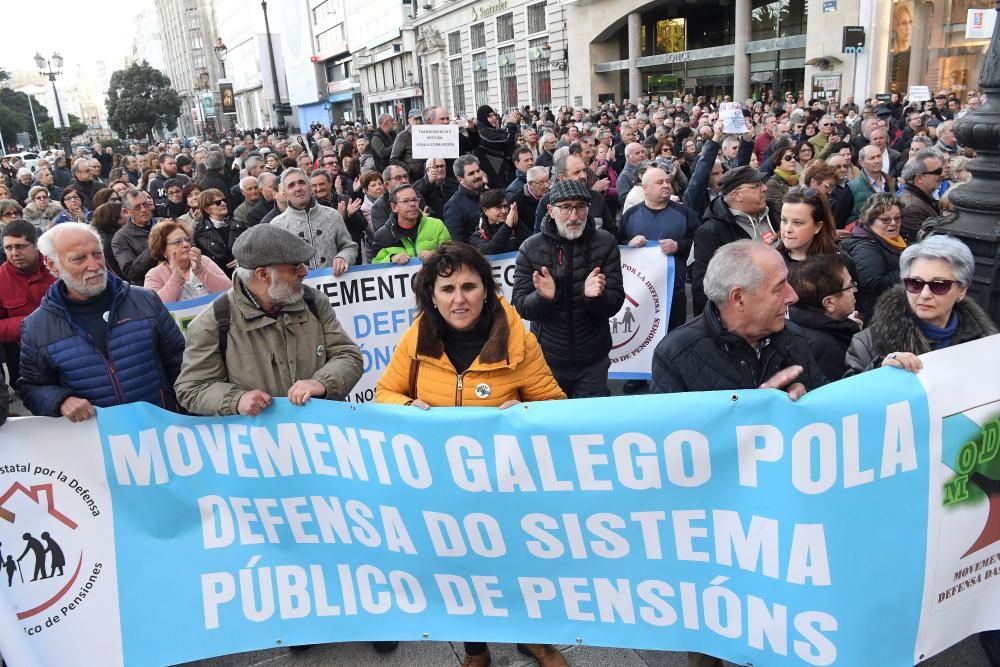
(444, 654)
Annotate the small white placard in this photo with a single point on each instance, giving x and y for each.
(731, 114)
(979, 23)
(919, 93)
(439, 141)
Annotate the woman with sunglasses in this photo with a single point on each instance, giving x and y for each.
(41, 210)
(875, 245)
(825, 310)
(216, 232)
(929, 311)
(182, 273)
(785, 164)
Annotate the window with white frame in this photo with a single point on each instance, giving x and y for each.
(480, 79)
(477, 36)
(507, 66)
(457, 86)
(538, 70)
(505, 28)
(536, 18)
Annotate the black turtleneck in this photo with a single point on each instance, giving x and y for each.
(462, 347)
(92, 316)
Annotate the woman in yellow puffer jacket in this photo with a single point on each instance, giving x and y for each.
(468, 346)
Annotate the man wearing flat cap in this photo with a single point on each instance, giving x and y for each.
(740, 212)
(268, 336)
(568, 283)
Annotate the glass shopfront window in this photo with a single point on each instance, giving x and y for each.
(954, 61)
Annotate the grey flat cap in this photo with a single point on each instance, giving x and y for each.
(267, 245)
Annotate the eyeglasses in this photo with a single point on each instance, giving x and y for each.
(790, 157)
(937, 287)
(184, 240)
(72, 198)
(567, 209)
(16, 247)
(145, 204)
(218, 202)
(851, 286)
(408, 202)
(825, 124)
(502, 207)
(888, 221)
(935, 172)
(9, 214)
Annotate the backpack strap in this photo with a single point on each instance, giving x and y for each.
(310, 298)
(220, 306)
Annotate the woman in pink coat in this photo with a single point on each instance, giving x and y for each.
(182, 272)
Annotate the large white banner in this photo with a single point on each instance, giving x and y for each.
(375, 305)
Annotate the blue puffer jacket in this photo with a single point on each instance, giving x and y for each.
(59, 359)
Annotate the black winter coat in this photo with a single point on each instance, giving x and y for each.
(703, 356)
(572, 329)
(461, 214)
(718, 227)
(217, 243)
(493, 240)
(213, 179)
(436, 194)
(828, 339)
(876, 264)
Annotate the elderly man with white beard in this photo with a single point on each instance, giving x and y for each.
(95, 341)
(238, 352)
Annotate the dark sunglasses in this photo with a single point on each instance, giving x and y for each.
(218, 202)
(790, 156)
(936, 172)
(937, 287)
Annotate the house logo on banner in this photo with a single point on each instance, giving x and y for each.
(635, 327)
(40, 554)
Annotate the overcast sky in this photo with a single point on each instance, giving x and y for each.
(81, 32)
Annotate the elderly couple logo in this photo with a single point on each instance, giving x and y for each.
(32, 524)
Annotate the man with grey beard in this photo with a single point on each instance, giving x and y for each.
(238, 358)
(94, 341)
(568, 284)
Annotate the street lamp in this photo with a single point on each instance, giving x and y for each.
(976, 203)
(42, 64)
(220, 54)
(279, 108)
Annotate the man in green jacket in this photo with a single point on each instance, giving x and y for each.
(283, 337)
(409, 232)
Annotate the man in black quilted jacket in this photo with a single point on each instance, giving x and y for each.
(568, 283)
(742, 339)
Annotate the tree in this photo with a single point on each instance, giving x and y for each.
(139, 99)
(51, 135)
(15, 116)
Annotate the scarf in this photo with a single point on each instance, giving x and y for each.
(897, 243)
(940, 337)
(790, 178)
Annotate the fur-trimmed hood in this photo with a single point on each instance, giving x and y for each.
(894, 327)
(495, 351)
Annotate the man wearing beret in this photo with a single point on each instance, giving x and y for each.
(739, 213)
(283, 337)
(568, 283)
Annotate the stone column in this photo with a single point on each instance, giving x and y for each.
(634, 53)
(741, 60)
(920, 37)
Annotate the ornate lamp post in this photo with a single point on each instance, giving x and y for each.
(45, 68)
(220, 54)
(977, 203)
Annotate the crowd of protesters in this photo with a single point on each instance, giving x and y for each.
(800, 241)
